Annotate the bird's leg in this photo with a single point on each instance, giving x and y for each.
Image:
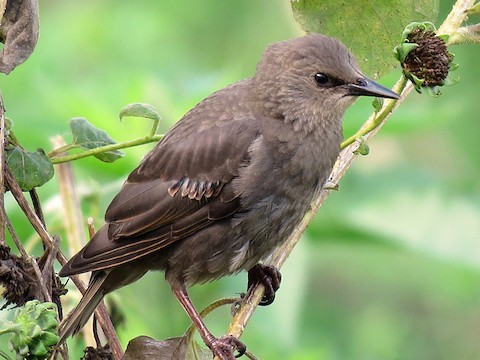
(222, 347)
(269, 277)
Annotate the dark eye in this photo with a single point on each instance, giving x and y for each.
(321, 79)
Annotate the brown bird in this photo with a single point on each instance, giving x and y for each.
(229, 182)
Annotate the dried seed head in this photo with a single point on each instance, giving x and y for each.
(17, 277)
(430, 61)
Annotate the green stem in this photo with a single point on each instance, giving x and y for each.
(61, 149)
(153, 131)
(145, 140)
(378, 118)
(213, 306)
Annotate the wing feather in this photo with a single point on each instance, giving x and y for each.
(182, 186)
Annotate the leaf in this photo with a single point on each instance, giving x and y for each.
(140, 110)
(89, 137)
(146, 348)
(19, 33)
(370, 29)
(31, 169)
(363, 148)
(377, 104)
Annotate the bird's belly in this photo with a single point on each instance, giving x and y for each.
(236, 244)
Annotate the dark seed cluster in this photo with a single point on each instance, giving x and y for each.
(100, 353)
(20, 282)
(17, 278)
(430, 61)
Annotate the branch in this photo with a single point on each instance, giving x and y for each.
(344, 161)
(47, 240)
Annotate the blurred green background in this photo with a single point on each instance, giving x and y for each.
(390, 267)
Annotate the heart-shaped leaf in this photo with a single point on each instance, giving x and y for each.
(140, 110)
(31, 169)
(89, 137)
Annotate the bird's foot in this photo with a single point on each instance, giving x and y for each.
(225, 346)
(269, 276)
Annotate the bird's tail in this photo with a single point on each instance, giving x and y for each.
(79, 316)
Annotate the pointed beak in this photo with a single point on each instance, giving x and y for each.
(367, 87)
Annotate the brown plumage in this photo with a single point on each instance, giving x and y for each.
(229, 181)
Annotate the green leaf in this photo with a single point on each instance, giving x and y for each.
(31, 169)
(377, 104)
(8, 123)
(401, 51)
(474, 10)
(370, 29)
(140, 110)
(89, 137)
(363, 148)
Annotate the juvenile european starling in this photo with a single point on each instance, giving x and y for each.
(229, 182)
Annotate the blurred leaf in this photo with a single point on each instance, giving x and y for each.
(370, 29)
(140, 110)
(31, 169)
(146, 348)
(19, 33)
(88, 137)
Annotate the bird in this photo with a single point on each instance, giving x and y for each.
(228, 182)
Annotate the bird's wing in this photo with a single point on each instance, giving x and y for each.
(183, 185)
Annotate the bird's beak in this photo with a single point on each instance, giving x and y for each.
(367, 87)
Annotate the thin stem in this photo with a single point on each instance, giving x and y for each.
(37, 205)
(376, 119)
(154, 128)
(62, 149)
(27, 258)
(101, 311)
(38, 273)
(24, 255)
(213, 306)
(145, 140)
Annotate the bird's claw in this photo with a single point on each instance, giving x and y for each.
(224, 347)
(269, 276)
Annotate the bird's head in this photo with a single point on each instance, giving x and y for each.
(313, 73)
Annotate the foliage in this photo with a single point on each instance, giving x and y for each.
(378, 25)
(34, 330)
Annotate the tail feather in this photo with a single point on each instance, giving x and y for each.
(79, 316)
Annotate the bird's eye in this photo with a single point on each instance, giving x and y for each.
(321, 79)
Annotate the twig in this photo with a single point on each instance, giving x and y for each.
(213, 306)
(101, 311)
(91, 227)
(27, 258)
(14, 236)
(61, 159)
(72, 216)
(38, 273)
(37, 206)
(247, 308)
